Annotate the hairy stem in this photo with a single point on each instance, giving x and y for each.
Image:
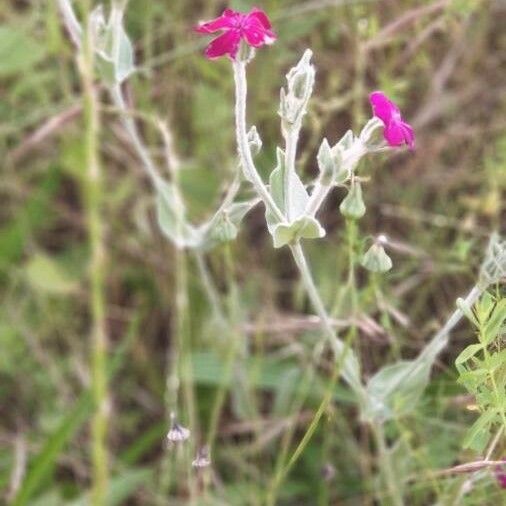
(131, 128)
(248, 166)
(350, 369)
(93, 202)
(440, 340)
(387, 469)
(291, 136)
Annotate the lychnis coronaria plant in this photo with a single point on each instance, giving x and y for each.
(291, 204)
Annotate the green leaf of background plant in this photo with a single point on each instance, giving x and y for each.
(469, 352)
(46, 274)
(18, 51)
(479, 434)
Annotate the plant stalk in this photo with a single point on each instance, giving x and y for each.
(94, 201)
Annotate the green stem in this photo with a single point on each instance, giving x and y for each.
(232, 345)
(291, 136)
(350, 368)
(131, 128)
(351, 240)
(94, 201)
(248, 166)
(386, 465)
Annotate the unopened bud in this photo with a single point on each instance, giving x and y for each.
(255, 142)
(353, 205)
(376, 259)
(224, 230)
(294, 101)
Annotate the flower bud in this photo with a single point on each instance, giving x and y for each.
(372, 134)
(376, 259)
(300, 87)
(353, 205)
(254, 140)
(224, 230)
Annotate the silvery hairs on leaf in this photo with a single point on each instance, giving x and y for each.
(301, 226)
(329, 164)
(293, 101)
(172, 218)
(350, 149)
(115, 55)
(493, 269)
(396, 389)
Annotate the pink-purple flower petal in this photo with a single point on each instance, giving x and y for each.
(255, 34)
(226, 43)
(261, 16)
(397, 132)
(382, 107)
(500, 475)
(226, 21)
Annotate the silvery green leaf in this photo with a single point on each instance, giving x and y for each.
(326, 164)
(172, 218)
(298, 198)
(301, 226)
(342, 173)
(396, 389)
(225, 226)
(376, 259)
(115, 55)
(305, 227)
(353, 205)
(346, 141)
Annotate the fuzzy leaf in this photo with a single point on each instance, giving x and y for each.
(172, 218)
(302, 228)
(326, 163)
(396, 389)
(225, 227)
(115, 53)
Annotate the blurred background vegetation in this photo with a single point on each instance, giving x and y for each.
(443, 61)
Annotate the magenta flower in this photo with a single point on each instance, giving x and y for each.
(500, 475)
(254, 28)
(397, 132)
